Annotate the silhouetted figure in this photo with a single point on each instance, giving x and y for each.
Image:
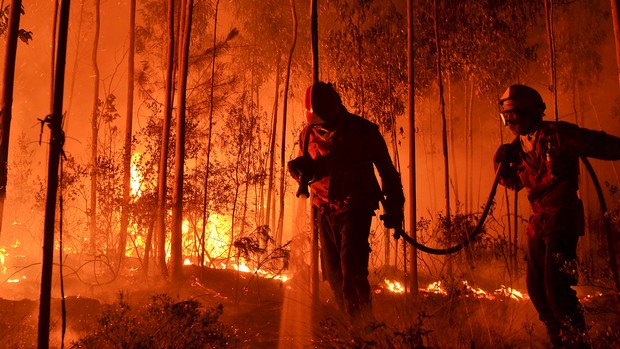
(337, 154)
(544, 159)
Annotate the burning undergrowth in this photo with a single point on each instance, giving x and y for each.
(231, 308)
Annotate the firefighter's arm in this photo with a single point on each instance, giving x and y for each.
(391, 183)
(597, 144)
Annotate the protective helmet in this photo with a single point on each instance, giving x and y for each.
(522, 98)
(322, 103)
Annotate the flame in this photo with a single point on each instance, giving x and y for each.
(435, 287)
(136, 175)
(394, 286)
(509, 292)
(187, 262)
(3, 255)
(503, 291)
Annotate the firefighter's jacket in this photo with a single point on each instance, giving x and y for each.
(344, 154)
(550, 174)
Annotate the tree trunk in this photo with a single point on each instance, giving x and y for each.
(205, 216)
(412, 226)
(314, 263)
(176, 237)
(55, 149)
(442, 104)
(94, 133)
(7, 96)
(551, 40)
(272, 149)
(162, 188)
(122, 245)
(615, 15)
(283, 141)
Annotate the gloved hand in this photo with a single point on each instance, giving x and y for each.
(301, 168)
(394, 215)
(506, 153)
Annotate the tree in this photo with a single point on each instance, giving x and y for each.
(122, 245)
(6, 106)
(56, 143)
(176, 235)
(94, 132)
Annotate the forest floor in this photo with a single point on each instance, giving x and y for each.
(268, 313)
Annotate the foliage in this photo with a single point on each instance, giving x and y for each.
(163, 323)
(366, 53)
(24, 35)
(375, 334)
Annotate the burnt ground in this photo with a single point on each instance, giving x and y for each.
(254, 308)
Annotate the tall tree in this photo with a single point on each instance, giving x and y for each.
(122, 245)
(55, 149)
(413, 253)
(162, 190)
(442, 104)
(615, 14)
(287, 82)
(94, 132)
(7, 96)
(209, 138)
(176, 234)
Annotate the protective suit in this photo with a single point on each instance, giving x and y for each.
(544, 159)
(338, 155)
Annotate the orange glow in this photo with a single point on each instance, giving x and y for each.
(394, 286)
(3, 255)
(136, 175)
(503, 291)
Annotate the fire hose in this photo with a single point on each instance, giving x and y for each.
(400, 232)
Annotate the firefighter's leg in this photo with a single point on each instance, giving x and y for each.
(330, 256)
(536, 250)
(560, 275)
(355, 251)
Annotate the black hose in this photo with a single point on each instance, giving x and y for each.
(444, 251)
(611, 250)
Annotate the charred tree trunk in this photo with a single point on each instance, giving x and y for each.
(7, 96)
(55, 149)
(176, 235)
(615, 14)
(122, 245)
(283, 140)
(314, 263)
(205, 216)
(272, 149)
(551, 41)
(162, 187)
(94, 133)
(413, 252)
(442, 104)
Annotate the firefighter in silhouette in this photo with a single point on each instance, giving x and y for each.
(544, 159)
(338, 155)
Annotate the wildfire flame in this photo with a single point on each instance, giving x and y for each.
(136, 175)
(503, 291)
(394, 286)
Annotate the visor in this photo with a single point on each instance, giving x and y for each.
(313, 119)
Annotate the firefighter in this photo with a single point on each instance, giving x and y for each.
(544, 159)
(337, 154)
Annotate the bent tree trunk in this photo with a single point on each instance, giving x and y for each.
(55, 149)
(7, 96)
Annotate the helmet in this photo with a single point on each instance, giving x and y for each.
(522, 98)
(322, 103)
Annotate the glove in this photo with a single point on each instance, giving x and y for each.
(301, 168)
(394, 216)
(506, 153)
